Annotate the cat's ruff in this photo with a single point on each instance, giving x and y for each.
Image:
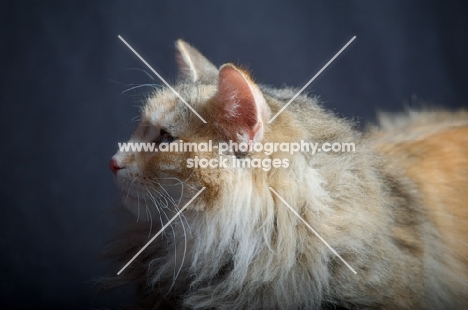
(395, 209)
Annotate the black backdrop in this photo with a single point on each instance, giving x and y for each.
(63, 71)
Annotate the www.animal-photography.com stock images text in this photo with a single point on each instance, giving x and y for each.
(234, 155)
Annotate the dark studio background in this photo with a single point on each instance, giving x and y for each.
(63, 71)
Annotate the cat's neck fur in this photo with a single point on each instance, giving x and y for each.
(240, 247)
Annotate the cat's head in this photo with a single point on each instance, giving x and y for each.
(207, 105)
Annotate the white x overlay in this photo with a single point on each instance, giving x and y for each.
(271, 120)
(161, 230)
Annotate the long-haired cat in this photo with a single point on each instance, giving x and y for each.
(395, 209)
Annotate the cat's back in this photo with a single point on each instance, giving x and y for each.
(431, 150)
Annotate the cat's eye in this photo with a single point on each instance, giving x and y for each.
(165, 137)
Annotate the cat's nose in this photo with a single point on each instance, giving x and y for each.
(114, 166)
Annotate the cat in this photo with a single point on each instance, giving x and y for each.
(395, 209)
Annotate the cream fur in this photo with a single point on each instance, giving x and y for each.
(239, 247)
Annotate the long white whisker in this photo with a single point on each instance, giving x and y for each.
(161, 198)
(179, 182)
(139, 86)
(151, 197)
(156, 205)
(175, 249)
(163, 194)
(144, 71)
(185, 250)
(129, 186)
(151, 218)
(167, 195)
(182, 184)
(135, 119)
(172, 228)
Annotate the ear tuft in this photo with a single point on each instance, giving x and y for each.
(192, 64)
(242, 109)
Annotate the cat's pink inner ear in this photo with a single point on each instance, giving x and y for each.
(244, 108)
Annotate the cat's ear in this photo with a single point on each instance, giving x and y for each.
(241, 109)
(192, 64)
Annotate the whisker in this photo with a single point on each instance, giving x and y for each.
(129, 186)
(142, 70)
(164, 194)
(160, 198)
(175, 246)
(179, 182)
(156, 206)
(185, 251)
(167, 195)
(135, 119)
(139, 86)
(151, 218)
(154, 199)
(172, 228)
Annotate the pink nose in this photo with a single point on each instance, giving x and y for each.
(114, 166)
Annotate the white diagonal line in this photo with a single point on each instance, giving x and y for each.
(160, 231)
(160, 77)
(313, 230)
(308, 83)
